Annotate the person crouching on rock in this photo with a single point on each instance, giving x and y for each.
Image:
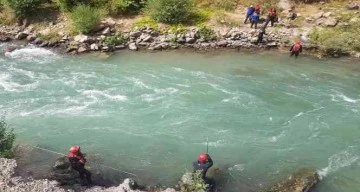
(203, 163)
(296, 49)
(77, 161)
(254, 20)
(250, 11)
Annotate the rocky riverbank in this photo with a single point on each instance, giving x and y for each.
(107, 39)
(301, 181)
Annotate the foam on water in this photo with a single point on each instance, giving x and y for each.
(34, 54)
(340, 160)
(94, 93)
(7, 83)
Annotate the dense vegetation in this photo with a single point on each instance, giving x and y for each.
(7, 138)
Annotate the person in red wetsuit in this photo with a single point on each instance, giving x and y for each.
(77, 162)
(296, 49)
(203, 163)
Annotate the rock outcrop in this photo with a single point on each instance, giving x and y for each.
(301, 181)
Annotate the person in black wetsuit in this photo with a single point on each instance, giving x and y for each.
(77, 161)
(203, 163)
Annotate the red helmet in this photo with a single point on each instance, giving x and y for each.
(74, 149)
(202, 158)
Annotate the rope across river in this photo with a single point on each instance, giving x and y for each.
(102, 165)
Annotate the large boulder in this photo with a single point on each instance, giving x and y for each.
(331, 22)
(81, 38)
(301, 181)
(21, 36)
(133, 47)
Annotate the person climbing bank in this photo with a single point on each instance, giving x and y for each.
(296, 49)
(254, 20)
(77, 162)
(203, 163)
(250, 11)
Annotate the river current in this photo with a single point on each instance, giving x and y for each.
(265, 115)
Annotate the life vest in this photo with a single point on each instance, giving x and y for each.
(75, 158)
(273, 13)
(296, 47)
(257, 9)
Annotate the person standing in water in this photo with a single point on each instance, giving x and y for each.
(203, 163)
(296, 49)
(77, 162)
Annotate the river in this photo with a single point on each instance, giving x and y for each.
(265, 115)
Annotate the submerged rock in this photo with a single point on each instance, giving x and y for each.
(301, 181)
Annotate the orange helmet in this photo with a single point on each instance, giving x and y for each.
(74, 149)
(202, 158)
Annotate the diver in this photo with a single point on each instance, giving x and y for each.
(77, 161)
(203, 163)
(296, 49)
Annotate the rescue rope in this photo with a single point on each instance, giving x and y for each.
(62, 154)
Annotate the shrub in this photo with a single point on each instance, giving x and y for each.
(23, 8)
(126, 6)
(7, 138)
(66, 5)
(335, 41)
(85, 18)
(206, 33)
(115, 40)
(170, 11)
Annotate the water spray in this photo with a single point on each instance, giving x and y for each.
(94, 163)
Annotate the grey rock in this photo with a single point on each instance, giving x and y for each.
(31, 38)
(165, 45)
(94, 47)
(81, 38)
(157, 47)
(21, 36)
(331, 22)
(5, 39)
(222, 43)
(272, 44)
(190, 40)
(53, 43)
(154, 33)
(83, 50)
(327, 14)
(237, 44)
(138, 41)
(118, 47)
(144, 44)
(106, 31)
(303, 180)
(318, 15)
(148, 38)
(135, 34)
(37, 41)
(352, 7)
(44, 44)
(133, 47)
(309, 19)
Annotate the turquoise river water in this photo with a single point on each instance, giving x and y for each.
(264, 115)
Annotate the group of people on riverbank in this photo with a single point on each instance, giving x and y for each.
(77, 161)
(253, 15)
